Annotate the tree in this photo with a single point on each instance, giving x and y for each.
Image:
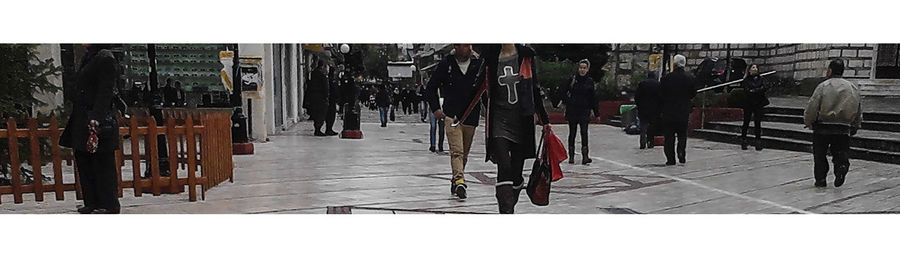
(597, 54)
(23, 75)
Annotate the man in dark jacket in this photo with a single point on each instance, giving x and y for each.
(677, 88)
(317, 97)
(647, 99)
(92, 110)
(383, 101)
(457, 78)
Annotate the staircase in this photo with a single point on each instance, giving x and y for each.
(879, 87)
(877, 140)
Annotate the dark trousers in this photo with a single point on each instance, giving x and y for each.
(675, 129)
(383, 114)
(840, 148)
(329, 117)
(648, 131)
(510, 160)
(573, 129)
(97, 175)
(756, 114)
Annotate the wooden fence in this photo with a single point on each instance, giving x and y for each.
(199, 141)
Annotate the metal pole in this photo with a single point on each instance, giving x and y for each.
(154, 105)
(239, 132)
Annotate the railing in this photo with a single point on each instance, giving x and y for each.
(200, 144)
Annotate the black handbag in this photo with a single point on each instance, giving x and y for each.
(538, 188)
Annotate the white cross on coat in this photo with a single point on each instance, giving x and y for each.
(509, 76)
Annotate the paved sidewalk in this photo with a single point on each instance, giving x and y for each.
(392, 171)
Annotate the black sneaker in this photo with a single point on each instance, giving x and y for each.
(670, 163)
(319, 134)
(461, 191)
(432, 150)
(820, 183)
(452, 188)
(330, 133)
(839, 179)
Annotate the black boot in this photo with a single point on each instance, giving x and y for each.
(585, 159)
(507, 197)
(571, 155)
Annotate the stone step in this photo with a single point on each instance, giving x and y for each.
(867, 115)
(870, 87)
(795, 145)
(865, 139)
(867, 125)
(879, 88)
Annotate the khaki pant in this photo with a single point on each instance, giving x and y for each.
(460, 140)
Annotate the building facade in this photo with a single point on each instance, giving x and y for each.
(875, 67)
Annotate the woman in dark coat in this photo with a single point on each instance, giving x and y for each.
(514, 106)
(756, 88)
(317, 96)
(580, 100)
(92, 111)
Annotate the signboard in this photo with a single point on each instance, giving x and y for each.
(251, 73)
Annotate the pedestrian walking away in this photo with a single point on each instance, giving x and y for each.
(423, 104)
(677, 88)
(456, 78)
(436, 133)
(514, 105)
(92, 131)
(648, 98)
(580, 100)
(755, 87)
(383, 102)
(317, 97)
(834, 113)
(333, 98)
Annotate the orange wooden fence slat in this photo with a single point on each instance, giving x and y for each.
(119, 162)
(57, 160)
(38, 178)
(135, 155)
(154, 155)
(173, 154)
(14, 161)
(191, 155)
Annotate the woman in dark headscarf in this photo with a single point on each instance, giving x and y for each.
(580, 100)
(756, 87)
(92, 131)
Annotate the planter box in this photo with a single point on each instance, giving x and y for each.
(714, 114)
(609, 109)
(560, 118)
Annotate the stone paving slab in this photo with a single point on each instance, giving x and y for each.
(392, 171)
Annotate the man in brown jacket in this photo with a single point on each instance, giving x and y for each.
(834, 113)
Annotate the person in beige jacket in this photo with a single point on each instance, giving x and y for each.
(834, 113)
